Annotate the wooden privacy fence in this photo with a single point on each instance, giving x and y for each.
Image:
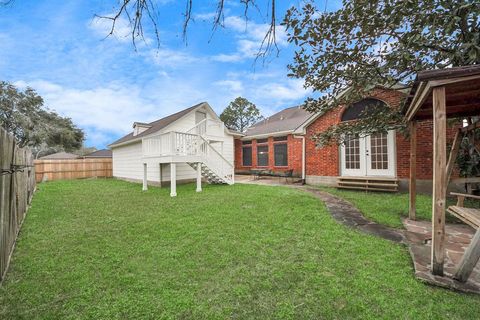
(47, 170)
(17, 184)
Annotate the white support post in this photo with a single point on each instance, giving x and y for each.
(145, 185)
(199, 177)
(160, 176)
(173, 179)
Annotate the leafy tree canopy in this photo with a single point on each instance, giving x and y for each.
(240, 114)
(371, 42)
(23, 114)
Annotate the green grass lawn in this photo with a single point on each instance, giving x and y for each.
(389, 208)
(103, 249)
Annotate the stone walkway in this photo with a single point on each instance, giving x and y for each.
(417, 236)
(341, 210)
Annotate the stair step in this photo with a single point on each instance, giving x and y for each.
(368, 183)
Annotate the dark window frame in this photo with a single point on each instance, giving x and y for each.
(278, 139)
(275, 154)
(264, 154)
(362, 109)
(243, 156)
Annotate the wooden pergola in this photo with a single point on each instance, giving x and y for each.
(439, 95)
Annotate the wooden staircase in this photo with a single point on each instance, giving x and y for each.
(383, 184)
(210, 175)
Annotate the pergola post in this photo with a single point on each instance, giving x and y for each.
(173, 179)
(145, 184)
(199, 176)
(439, 179)
(412, 186)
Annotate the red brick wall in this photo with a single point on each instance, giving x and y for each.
(325, 161)
(322, 161)
(294, 149)
(424, 150)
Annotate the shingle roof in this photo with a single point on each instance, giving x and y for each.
(286, 120)
(104, 153)
(157, 125)
(59, 155)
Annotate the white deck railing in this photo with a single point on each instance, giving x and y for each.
(188, 144)
(170, 144)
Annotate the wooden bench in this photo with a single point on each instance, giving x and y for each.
(470, 216)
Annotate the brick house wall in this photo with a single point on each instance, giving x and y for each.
(294, 152)
(325, 161)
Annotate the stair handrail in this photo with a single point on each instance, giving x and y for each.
(192, 130)
(225, 173)
(201, 128)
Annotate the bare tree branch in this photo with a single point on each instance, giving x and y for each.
(138, 11)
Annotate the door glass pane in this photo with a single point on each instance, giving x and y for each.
(352, 152)
(379, 151)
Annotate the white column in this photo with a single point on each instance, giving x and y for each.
(173, 179)
(160, 177)
(145, 186)
(199, 177)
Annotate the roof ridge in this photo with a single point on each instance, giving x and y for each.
(157, 124)
(176, 113)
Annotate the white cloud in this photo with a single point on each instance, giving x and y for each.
(233, 85)
(205, 16)
(227, 57)
(171, 58)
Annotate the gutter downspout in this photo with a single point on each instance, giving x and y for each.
(303, 160)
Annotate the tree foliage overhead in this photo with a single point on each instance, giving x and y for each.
(23, 114)
(371, 42)
(240, 114)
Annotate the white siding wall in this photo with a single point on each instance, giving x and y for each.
(128, 163)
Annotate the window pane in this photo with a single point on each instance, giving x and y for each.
(262, 156)
(262, 140)
(352, 152)
(284, 138)
(281, 154)
(379, 144)
(247, 156)
(247, 142)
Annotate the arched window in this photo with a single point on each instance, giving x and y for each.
(362, 109)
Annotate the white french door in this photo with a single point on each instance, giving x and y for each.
(369, 156)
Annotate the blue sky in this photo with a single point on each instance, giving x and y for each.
(104, 85)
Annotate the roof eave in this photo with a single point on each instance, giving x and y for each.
(266, 135)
